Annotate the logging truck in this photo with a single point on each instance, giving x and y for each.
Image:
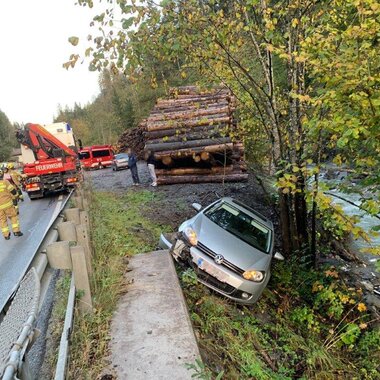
(49, 157)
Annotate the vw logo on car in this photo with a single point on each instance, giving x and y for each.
(219, 259)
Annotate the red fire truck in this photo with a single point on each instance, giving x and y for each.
(49, 164)
(96, 156)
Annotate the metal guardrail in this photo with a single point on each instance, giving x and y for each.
(17, 327)
(60, 372)
(21, 316)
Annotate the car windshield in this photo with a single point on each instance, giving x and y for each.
(243, 226)
(121, 156)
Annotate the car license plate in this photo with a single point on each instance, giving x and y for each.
(212, 270)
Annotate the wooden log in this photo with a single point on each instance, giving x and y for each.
(153, 147)
(185, 131)
(184, 115)
(167, 160)
(196, 157)
(186, 171)
(165, 105)
(195, 90)
(175, 124)
(202, 98)
(156, 112)
(166, 180)
(186, 137)
(205, 156)
(221, 148)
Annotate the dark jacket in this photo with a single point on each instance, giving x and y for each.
(151, 160)
(132, 160)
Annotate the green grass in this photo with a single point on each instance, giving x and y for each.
(118, 231)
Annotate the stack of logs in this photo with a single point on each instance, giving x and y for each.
(190, 136)
(132, 138)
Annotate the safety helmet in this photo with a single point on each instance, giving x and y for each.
(10, 165)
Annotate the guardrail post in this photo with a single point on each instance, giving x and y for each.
(59, 255)
(67, 231)
(78, 201)
(81, 279)
(72, 215)
(83, 241)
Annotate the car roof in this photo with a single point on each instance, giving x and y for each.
(249, 210)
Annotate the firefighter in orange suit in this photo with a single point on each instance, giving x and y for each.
(8, 201)
(15, 178)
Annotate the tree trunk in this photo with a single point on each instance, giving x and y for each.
(285, 223)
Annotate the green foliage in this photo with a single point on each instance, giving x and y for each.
(7, 139)
(305, 76)
(200, 371)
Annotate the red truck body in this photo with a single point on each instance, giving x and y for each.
(96, 156)
(55, 167)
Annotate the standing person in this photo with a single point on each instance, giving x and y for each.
(151, 162)
(132, 164)
(15, 178)
(8, 201)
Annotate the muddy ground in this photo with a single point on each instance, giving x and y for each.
(177, 199)
(175, 207)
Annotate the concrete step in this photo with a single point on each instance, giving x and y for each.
(151, 333)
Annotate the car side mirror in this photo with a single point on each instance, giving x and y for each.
(278, 256)
(197, 206)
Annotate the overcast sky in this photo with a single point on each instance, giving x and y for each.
(34, 45)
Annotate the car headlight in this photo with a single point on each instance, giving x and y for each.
(191, 235)
(253, 275)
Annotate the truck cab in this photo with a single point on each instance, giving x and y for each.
(49, 156)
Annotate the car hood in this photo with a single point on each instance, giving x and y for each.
(229, 246)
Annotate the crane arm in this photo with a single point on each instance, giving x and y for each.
(43, 144)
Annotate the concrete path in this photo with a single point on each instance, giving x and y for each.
(152, 336)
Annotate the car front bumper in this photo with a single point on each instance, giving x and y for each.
(217, 276)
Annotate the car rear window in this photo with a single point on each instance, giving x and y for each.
(242, 225)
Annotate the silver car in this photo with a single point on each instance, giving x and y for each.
(229, 246)
(120, 161)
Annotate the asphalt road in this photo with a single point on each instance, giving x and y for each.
(17, 253)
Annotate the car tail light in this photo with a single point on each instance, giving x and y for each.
(72, 179)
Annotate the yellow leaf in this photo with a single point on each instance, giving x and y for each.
(295, 22)
(362, 307)
(74, 41)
